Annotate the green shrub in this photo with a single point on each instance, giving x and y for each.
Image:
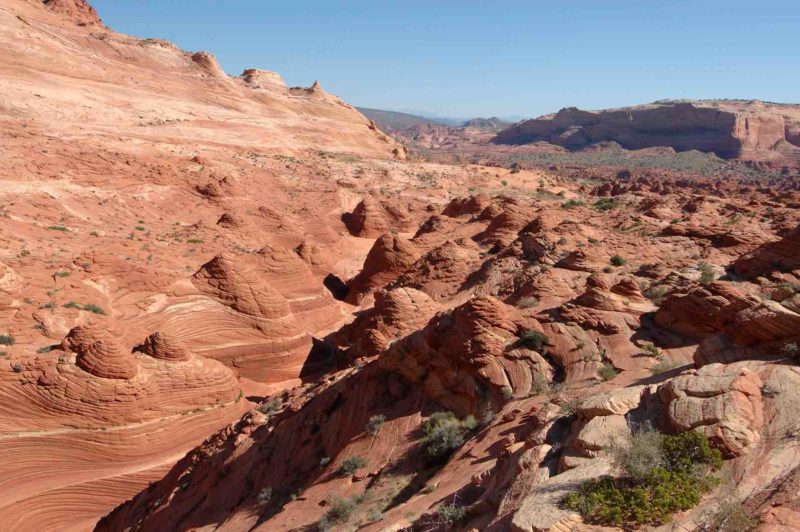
(605, 204)
(534, 340)
(443, 433)
(616, 260)
(91, 307)
(339, 512)
(663, 367)
(656, 294)
(450, 514)
(652, 351)
(375, 423)
(707, 274)
(662, 475)
(607, 372)
(350, 465)
(7, 339)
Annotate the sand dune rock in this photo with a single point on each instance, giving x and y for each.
(725, 403)
(79, 11)
(461, 352)
(389, 257)
(396, 313)
(467, 206)
(207, 62)
(701, 310)
(505, 227)
(441, 272)
(372, 218)
(581, 261)
(783, 255)
(162, 346)
(624, 296)
(226, 278)
(99, 353)
(262, 79)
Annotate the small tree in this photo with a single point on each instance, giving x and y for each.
(375, 423)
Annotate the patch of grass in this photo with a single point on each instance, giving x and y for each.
(450, 514)
(94, 309)
(350, 465)
(72, 304)
(607, 372)
(194, 241)
(7, 339)
(663, 367)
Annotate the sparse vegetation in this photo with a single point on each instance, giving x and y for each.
(656, 294)
(527, 302)
(571, 204)
(264, 495)
(604, 204)
(450, 514)
(661, 475)
(652, 351)
(72, 304)
(194, 241)
(272, 405)
(607, 372)
(707, 274)
(7, 339)
(375, 423)
(350, 465)
(616, 260)
(95, 309)
(57, 228)
(731, 516)
(663, 366)
(790, 350)
(443, 434)
(339, 512)
(534, 340)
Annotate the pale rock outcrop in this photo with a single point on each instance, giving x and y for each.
(723, 402)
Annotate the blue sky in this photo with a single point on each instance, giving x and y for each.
(479, 58)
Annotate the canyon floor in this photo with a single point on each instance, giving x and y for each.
(226, 303)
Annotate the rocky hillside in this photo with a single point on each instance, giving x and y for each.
(543, 332)
(748, 130)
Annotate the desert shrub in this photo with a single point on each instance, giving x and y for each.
(17, 367)
(571, 204)
(652, 351)
(662, 475)
(375, 423)
(264, 495)
(656, 294)
(7, 339)
(616, 260)
(605, 204)
(663, 366)
(57, 228)
(534, 340)
(570, 407)
(62, 274)
(539, 384)
(339, 512)
(790, 350)
(72, 304)
(607, 372)
(443, 433)
(325, 460)
(450, 514)
(194, 241)
(272, 405)
(350, 465)
(527, 302)
(508, 392)
(91, 307)
(731, 516)
(44, 349)
(707, 274)
(608, 269)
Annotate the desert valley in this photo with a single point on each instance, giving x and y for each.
(231, 304)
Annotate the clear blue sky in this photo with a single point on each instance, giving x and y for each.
(467, 58)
